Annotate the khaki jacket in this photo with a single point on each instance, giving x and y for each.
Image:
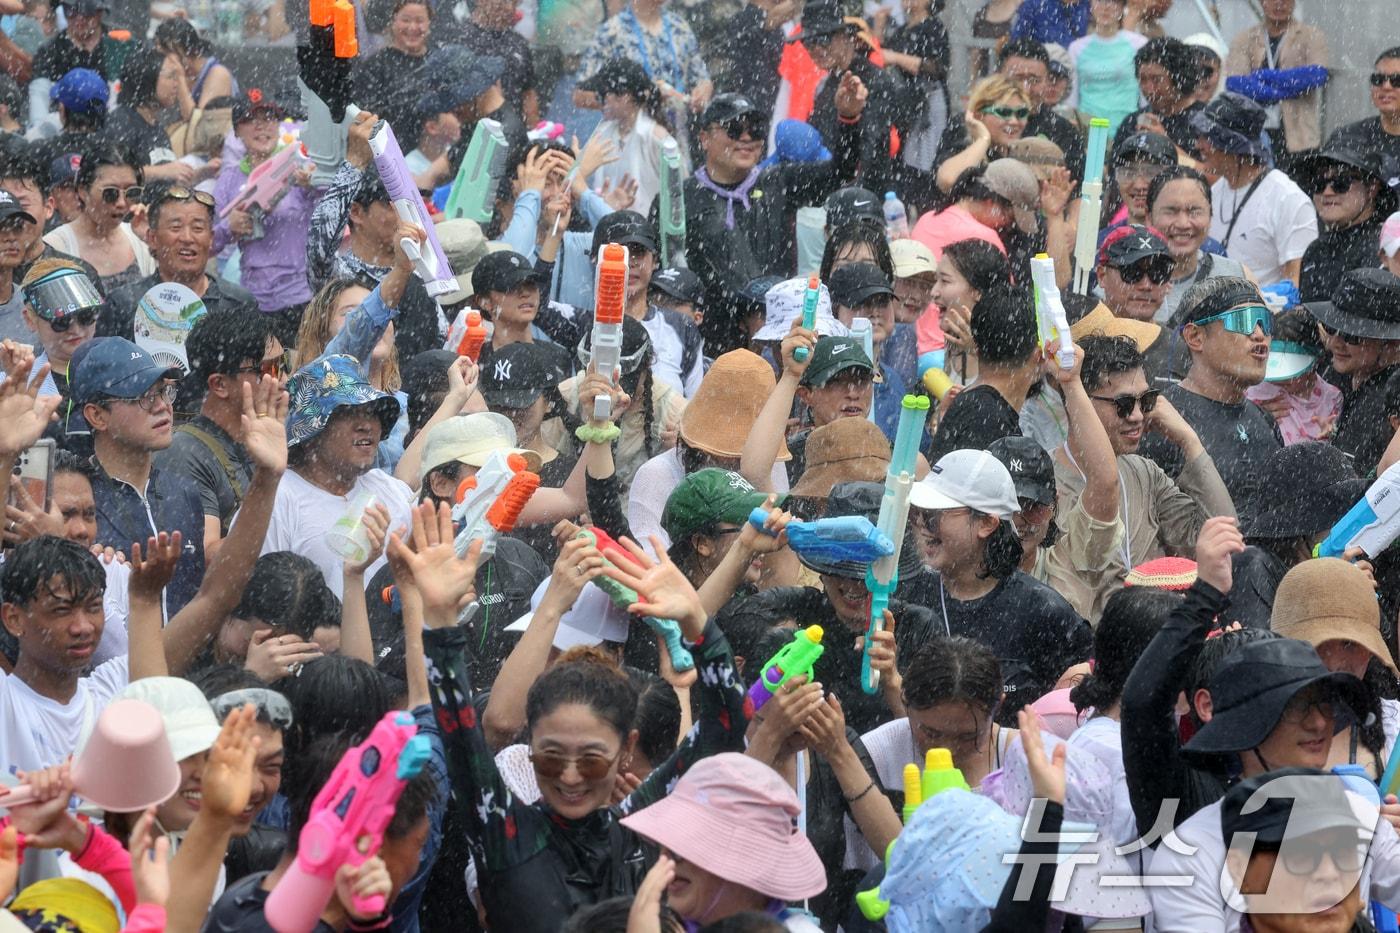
(1301, 45)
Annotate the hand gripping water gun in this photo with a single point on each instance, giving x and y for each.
(432, 266)
(883, 575)
(939, 775)
(610, 300)
(842, 537)
(468, 334)
(347, 823)
(473, 193)
(490, 500)
(672, 208)
(794, 659)
(324, 79)
(1086, 239)
(1050, 317)
(265, 186)
(624, 596)
(1372, 524)
(810, 299)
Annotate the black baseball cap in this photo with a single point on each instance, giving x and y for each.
(680, 284)
(725, 107)
(518, 373)
(822, 18)
(845, 205)
(10, 209)
(857, 283)
(1031, 469)
(833, 355)
(1131, 243)
(627, 228)
(503, 272)
(1153, 148)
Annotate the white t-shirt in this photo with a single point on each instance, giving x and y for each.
(1272, 227)
(303, 513)
(36, 732)
(653, 484)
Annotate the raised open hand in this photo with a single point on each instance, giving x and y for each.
(1047, 774)
(227, 782)
(444, 581)
(669, 594)
(24, 413)
(263, 426)
(150, 861)
(153, 566)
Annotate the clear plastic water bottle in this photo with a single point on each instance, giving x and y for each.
(896, 219)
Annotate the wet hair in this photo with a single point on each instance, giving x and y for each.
(219, 679)
(334, 694)
(858, 232)
(955, 669)
(1003, 551)
(19, 161)
(65, 461)
(980, 263)
(1213, 654)
(31, 566)
(658, 720)
(180, 36)
(315, 330)
(306, 772)
(610, 916)
(1130, 620)
(1176, 57)
(220, 344)
(288, 591)
(1003, 326)
(139, 76)
(103, 155)
(1175, 173)
(1106, 357)
(971, 183)
(1025, 47)
(158, 200)
(590, 677)
(1202, 299)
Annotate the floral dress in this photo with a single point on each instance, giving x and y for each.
(535, 866)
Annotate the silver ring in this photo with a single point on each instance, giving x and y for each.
(579, 568)
(12, 525)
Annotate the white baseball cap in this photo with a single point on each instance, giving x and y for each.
(470, 439)
(1390, 235)
(972, 479)
(592, 620)
(784, 305)
(912, 258)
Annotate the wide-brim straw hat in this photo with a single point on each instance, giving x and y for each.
(719, 417)
(1328, 599)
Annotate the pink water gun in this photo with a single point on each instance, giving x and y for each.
(267, 183)
(347, 823)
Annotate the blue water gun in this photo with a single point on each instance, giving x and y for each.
(1372, 524)
(839, 538)
(883, 575)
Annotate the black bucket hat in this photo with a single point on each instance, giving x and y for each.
(1373, 164)
(1232, 123)
(1303, 490)
(861, 498)
(1253, 686)
(1365, 304)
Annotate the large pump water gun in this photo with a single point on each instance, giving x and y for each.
(1086, 239)
(266, 185)
(324, 64)
(883, 575)
(1050, 317)
(839, 538)
(431, 265)
(490, 500)
(672, 208)
(938, 775)
(1372, 524)
(468, 334)
(610, 302)
(624, 596)
(347, 823)
(795, 659)
(473, 194)
(810, 299)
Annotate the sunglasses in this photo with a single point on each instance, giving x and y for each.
(276, 367)
(1302, 856)
(1242, 320)
(113, 193)
(181, 193)
(1340, 183)
(273, 708)
(1123, 405)
(82, 318)
(549, 765)
(1008, 113)
(1034, 511)
(1349, 339)
(754, 125)
(1380, 79)
(1159, 273)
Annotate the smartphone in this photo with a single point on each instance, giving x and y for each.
(34, 471)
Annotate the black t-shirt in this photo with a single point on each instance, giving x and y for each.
(977, 417)
(1335, 252)
(1034, 631)
(241, 909)
(1239, 438)
(389, 84)
(505, 44)
(1368, 136)
(927, 41)
(1178, 127)
(221, 482)
(128, 128)
(881, 113)
(1046, 122)
(59, 55)
(839, 667)
(1362, 431)
(118, 318)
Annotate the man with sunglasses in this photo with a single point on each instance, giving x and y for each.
(181, 235)
(1379, 134)
(1352, 200)
(1360, 328)
(1227, 334)
(739, 217)
(224, 351)
(1135, 271)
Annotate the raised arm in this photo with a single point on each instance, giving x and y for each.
(1088, 442)
(719, 587)
(766, 436)
(974, 154)
(332, 211)
(825, 732)
(462, 397)
(355, 638)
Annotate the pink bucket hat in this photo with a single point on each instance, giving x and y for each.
(736, 818)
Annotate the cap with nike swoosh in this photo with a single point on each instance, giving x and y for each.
(833, 355)
(850, 204)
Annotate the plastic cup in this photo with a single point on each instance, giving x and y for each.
(348, 537)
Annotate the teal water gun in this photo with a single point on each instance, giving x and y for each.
(1086, 239)
(883, 575)
(672, 204)
(473, 193)
(1372, 524)
(624, 596)
(810, 300)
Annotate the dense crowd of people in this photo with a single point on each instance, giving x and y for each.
(319, 616)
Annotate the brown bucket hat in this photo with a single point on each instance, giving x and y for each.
(1328, 599)
(719, 417)
(846, 450)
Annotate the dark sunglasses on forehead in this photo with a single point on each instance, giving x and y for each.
(114, 193)
(181, 193)
(1340, 182)
(1159, 272)
(751, 123)
(1123, 405)
(1382, 78)
(82, 318)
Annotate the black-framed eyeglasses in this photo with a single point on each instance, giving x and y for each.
(182, 193)
(165, 392)
(1160, 273)
(114, 193)
(1381, 78)
(751, 123)
(1301, 857)
(82, 317)
(1349, 339)
(1339, 182)
(1123, 405)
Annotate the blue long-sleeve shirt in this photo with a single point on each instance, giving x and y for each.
(1271, 85)
(572, 280)
(1051, 21)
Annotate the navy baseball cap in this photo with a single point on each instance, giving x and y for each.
(63, 170)
(114, 367)
(680, 284)
(81, 90)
